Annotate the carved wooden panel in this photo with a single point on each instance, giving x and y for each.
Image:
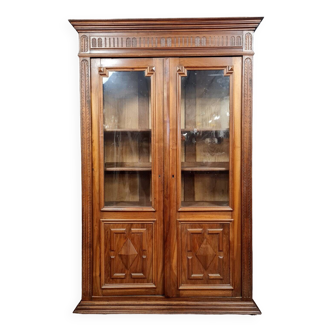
(84, 44)
(127, 255)
(205, 256)
(248, 41)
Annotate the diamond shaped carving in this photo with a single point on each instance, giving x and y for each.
(128, 254)
(205, 254)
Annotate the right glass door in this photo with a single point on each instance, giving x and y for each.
(205, 133)
(204, 229)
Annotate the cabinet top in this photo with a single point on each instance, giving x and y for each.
(168, 24)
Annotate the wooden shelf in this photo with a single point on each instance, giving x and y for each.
(204, 204)
(123, 167)
(201, 129)
(128, 204)
(203, 169)
(200, 166)
(126, 130)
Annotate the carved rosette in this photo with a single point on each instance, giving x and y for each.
(247, 179)
(86, 178)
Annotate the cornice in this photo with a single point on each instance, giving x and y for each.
(170, 24)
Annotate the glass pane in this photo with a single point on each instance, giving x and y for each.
(205, 138)
(127, 139)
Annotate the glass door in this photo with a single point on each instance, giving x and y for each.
(127, 138)
(205, 177)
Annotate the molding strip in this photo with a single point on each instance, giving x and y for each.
(247, 180)
(86, 179)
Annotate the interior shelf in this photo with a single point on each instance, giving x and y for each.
(126, 130)
(126, 204)
(128, 166)
(202, 129)
(204, 166)
(204, 204)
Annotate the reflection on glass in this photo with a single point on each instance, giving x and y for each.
(127, 139)
(205, 138)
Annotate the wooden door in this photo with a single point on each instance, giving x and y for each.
(203, 246)
(127, 143)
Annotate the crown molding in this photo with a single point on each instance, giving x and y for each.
(169, 24)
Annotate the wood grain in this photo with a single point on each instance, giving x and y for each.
(211, 186)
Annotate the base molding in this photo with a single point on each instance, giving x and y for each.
(169, 306)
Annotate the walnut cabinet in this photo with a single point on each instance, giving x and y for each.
(166, 120)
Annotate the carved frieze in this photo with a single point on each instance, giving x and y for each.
(189, 41)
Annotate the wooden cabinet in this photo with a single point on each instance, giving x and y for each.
(166, 118)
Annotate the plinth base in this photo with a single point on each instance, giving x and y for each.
(169, 306)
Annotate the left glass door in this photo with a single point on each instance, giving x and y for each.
(127, 140)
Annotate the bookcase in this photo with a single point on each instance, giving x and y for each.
(166, 121)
